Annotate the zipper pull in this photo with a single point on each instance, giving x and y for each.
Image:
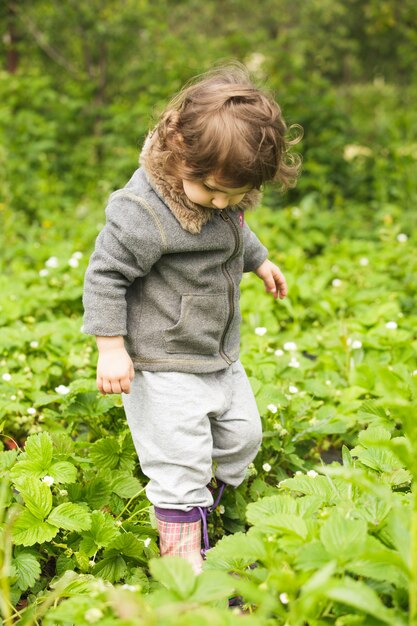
(224, 216)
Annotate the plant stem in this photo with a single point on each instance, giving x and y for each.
(130, 501)
(413, 565)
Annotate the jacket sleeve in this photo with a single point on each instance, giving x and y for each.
(126, 248)
(254, 253)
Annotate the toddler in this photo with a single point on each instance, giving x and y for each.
(161, 295)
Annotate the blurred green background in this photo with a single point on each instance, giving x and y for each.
(82, 81)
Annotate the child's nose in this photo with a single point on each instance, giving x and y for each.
(220, 202)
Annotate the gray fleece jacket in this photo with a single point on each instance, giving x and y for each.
(165, 274)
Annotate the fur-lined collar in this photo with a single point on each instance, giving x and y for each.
(191, 216)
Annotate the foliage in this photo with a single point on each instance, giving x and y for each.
(324, 528)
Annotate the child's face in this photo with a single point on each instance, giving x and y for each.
(209, 194)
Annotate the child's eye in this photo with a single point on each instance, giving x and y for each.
(207, 187)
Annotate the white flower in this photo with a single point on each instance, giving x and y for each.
(298, 473)
(290, 346)
(31, 410)
(62, 390)
(6, 377)
(312, 473)
(48, 480)
(77, 255)
(294, 363)
(356, 345)
(391, 325)
(328, 382)
(364, 261)
(118, 522)
(34, 344)
(351, 151)
(284, 598)
(91, 563)
(63, 492)
(52, 262)
(93, 615)
(266, 467)
(336, 282)
(147, 542)
(293, 389)
(73, 262)
(284, 432)
(43, 273)
(221, 509)
(130, 587)
(279, 352)
(260, 330)
(272, 408)
(402, 237)
(13, 397)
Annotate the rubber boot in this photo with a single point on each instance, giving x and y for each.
(180, 534)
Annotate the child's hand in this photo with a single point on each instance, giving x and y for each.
(115, 370)
(273, 278)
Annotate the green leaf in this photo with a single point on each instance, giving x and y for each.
(373, 434)
(125, 485)
(237, 551)
(37, 497)
(261, 511)
(38, 449)
(97, 492)
(28, 530)
(112, 568)
(25, 468)
(72, 584)
(312, 556)
(347, 457)
(7, 460)
(175, 574)
(379, 459)
(315, 486)
(343, 538)
(126, 544)
(105, 453)
(212, 586)
(358, 595)
(292, 524)
(101, 533)
(63, 472)
(63, 445)
(70, 516)
(28, 569)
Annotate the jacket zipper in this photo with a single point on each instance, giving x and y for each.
(231, 289)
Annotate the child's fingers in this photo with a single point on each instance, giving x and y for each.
(281, 284)
(107, 387)
(125, 384)
(269, 282)
(99, 383)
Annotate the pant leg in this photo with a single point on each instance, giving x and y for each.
(167, 413)
(237, 431)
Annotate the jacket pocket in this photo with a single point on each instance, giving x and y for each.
(200, 325)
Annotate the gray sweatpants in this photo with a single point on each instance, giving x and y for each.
(181, 423)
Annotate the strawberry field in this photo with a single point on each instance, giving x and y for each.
(323, 531)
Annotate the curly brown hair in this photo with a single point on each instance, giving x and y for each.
(220, 124)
